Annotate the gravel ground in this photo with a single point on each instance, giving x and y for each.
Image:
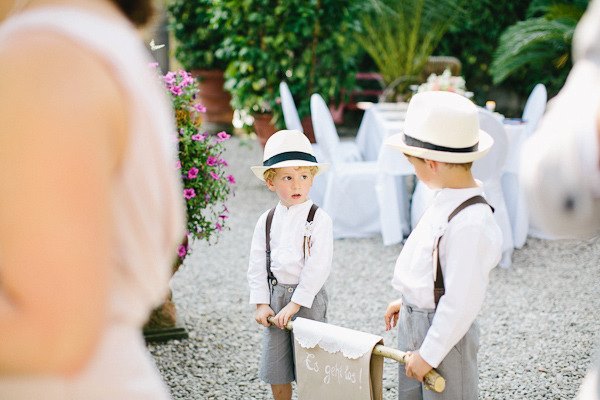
(539, 322)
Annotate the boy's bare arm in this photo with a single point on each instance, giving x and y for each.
(263, 311)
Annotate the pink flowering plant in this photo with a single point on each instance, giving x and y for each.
(207, 184)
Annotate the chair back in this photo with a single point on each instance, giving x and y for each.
(290, 112)
(492, 164)
(535, 107)
(325, 130)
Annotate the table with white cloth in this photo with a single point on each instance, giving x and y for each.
(396, 174)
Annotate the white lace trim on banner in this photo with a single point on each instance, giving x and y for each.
(353, 344)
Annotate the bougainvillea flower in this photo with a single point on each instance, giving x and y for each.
(193, 173)
(230, 178)
(178, 164)
(211, 161)
(189, 193)
(222, 136)
(214, 175)
(182, 251)
(198, 137)
(199, 107)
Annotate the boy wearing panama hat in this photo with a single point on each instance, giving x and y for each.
(442, 271)
(290, 255)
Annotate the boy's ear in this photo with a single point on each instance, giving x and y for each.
(431, 164)
(270, 185)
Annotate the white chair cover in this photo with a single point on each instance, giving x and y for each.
(489, 171)
(350, 196)
(535, 106)
(515, 198)
(290, 112)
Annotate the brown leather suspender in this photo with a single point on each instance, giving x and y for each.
(270, 277)
(438, 284)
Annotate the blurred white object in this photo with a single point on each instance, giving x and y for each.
(490, 105)
(559, 163)
(350, 197)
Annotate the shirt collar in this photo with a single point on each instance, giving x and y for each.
(296, 208)
(447, 199)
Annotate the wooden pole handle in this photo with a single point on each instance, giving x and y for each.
(432, 380)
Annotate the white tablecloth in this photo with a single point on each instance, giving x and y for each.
(378, 123)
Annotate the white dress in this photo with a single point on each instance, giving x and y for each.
(147, 209)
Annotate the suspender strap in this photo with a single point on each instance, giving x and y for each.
(438, 285)
(270, 276)
(309, 219)
(311, 213)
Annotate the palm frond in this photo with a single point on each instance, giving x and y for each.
(536, 41)
(401, 35)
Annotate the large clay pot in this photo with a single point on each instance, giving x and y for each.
(213, 96)
(308, 128)
(263, 127)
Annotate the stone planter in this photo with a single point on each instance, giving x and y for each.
(213, 96)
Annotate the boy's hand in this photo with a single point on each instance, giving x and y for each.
(416, 367)
(262, 312)
(392, 313)
(286, 313)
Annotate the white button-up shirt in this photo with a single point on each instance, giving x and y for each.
(288, 262)
(469, 249)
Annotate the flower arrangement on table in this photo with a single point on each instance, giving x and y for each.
(203, 169)
(445, 82)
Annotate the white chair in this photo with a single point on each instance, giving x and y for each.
(350, 196)
(290, 112)
(348, 150)
(535, 106)
(515, 198)
(489, 171)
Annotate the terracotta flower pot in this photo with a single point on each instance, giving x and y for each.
(308, 128)
(213, 96)
(263, 127)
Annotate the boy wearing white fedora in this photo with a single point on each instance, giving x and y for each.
(290, 255)
(442, 271)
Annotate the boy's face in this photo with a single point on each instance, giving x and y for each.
(291, 185)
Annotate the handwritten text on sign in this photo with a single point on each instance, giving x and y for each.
(331, 376)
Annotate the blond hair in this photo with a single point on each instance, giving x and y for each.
(271, 172)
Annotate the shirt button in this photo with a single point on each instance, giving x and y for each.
(290, 289)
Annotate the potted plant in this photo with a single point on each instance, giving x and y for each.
(206, 184)
(199, 38)
(400, 36)
(295, 41)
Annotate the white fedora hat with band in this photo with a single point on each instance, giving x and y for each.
(442, 126)
(288, 148)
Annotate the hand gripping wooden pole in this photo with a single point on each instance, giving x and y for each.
(432, 380)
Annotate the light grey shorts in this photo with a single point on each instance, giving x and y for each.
(459, 367)
(277, 358)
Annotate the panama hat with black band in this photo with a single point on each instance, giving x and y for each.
(288, 148)
(442, 126)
